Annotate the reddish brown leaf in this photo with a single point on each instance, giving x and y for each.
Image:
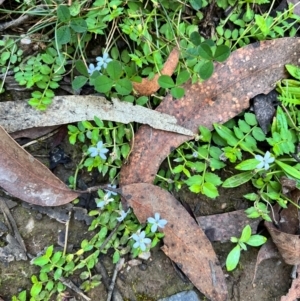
(294, 291)
(287, 242)
(150, 86)
(27, 179)
(33, 133)
(249, 71)
(185, 243)
(221, 227)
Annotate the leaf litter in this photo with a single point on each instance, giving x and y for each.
(246, 73)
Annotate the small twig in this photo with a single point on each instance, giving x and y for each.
(41, 138)
(74, 288)
(109, 237)
(114, 277)
(100, 268)
(67, 234)
(5, 210)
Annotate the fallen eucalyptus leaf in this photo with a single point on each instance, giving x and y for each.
(18, 115)
(26, 178)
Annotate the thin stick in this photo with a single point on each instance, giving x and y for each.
(114, 277)
(67, 234)
(74, 288)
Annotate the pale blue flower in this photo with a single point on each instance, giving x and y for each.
(92, 68)
(141, 240)
(111, 192)
(123, 215)
(106, 200)
(99, 150)
(264, 161)
(156, 222)
(103, 61)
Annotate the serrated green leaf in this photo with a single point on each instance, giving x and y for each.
(47, 58)
(258, 134)
(57, 274)
(210, 190)
(250, 119)
(233, 258)
(251, 196)
(49, 250)
(238, 179)
(226, 134)
(245, 128)
(36, 289)
(212, 178)
(40, 261)
(56, 257)
(166, 81)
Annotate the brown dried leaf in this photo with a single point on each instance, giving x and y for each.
(185, 243)
(267, 251)
(27, 179)
(150, 86)
(294, 291)
(288, 243)
(249, 71)
(221, 227)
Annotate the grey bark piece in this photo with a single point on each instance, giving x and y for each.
(182, 296)
(13, 251)
(18, 115)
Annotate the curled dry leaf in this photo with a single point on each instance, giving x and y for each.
(26, 178)
(287, 242)
(249, 71)
(185, 243)
(150, 86)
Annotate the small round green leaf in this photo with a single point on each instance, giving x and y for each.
(63, 13)
(177, 92)
(206, 70)
(222, 53)
(114, 70)
(165, 81)
(103, 84)
(63, 35)
(79, 25)
(124, 86)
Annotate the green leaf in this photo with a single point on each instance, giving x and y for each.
(81, 68)
(197, 179)
(84, 275)
(244, 126)
(261, 22)
(212, 178)
(249, 164)
(233, 258)
(124, 86)
(210, 190)
(293, 71)
(238, 179)
(63, 13)
(47, 58)
(251, 196)
(103, 84)
(195, 38)
(56, 257)
(182, 77)
(79, 81)
(43, 277)
(226, 134)
(98, 122)
(49, 250)
(116, 256)
(63, 35)
(36, 289)
(79, 25)
(222, 53)
(258, 134)
(205, 133)
(114, 70)
(165, 81)
(177, 92)
(290, 170)
(206, 70)
(205, 52)
(250, 119)
(5, 56)
(256, 240)
(196, 4)
(57, 274)
(246, 234)
(177, 169)
(40, 261)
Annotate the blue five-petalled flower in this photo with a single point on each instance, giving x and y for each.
(123, 215)
(101, 62)
(99, 150)
(264, 161)
(140, 240)
(156, 222)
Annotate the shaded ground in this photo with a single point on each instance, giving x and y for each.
(155, 278)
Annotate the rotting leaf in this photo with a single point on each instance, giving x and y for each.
(184, 242)
(150, 86)
(249, 71)
(294, 292)
(26, 178)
